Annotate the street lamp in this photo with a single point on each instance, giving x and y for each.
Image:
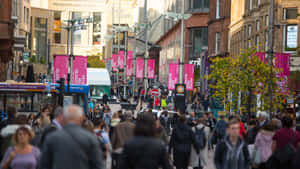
(73, 25)
(180, 16)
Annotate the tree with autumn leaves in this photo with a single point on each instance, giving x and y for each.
(242, 83)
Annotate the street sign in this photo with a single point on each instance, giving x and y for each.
(155, 92)
(180, 97)
(26, 56)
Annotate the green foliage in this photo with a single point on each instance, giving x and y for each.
(32, 59)
(95, 62)
(42, 60)
(243, 79)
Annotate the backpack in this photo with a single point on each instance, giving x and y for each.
(200, 138)
(101, 142)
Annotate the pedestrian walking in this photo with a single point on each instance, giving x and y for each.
(182, 140)
(22, 153)
(199, 161)
(122, 133)
(263, 148)
(143, 151)
(165, 121)
(232, 152)
(78, 148)
(220, 130)
(285, 143)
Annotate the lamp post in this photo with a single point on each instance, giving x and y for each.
(182, 17)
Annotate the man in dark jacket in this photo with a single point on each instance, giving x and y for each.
(182, 140)
(56, 124)
(232, 152)
(72, 147)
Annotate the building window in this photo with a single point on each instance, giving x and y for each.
(57, 27)
(97, 28)
(249, 30)
(217, 42)
(199, 41)
(249, 43)
(267, 20)
(40, 23)
(257, 42)
(257, 26)
(40, 45)
(266, 41)
(290, 13)
(218, 9)
(27, 16)
(258, 2)
(199, 5)
(76, 33)
(291, 36)
(24, 17)
(250, 4)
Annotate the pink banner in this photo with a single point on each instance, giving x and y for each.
(140, 68)
(79, 70)
(173, 75)
(60, 68)
(114, 63)
(189, 76)
(129, 54)
(151, 68)
(282, 62)
(121, 60)
(129, 68)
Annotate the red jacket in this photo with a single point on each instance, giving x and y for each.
(242, 130)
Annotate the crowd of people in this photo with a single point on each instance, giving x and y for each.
(60, 138)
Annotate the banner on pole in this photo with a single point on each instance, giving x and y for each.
(114, 63)
(130, 55)
(140, 68)
(129, 68)
(79, 70)
(60, 68)
(151, 68)
(173, 75)
(282, 62)
(189, 76)
(121, 60)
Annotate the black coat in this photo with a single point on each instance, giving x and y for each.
(144, 153)
(182, 140)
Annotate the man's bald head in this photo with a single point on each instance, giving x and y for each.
(73, 113)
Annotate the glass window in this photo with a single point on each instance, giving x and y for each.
(27, 16)
(41, 23)
(97, 28)
(24, 17)
(267, 20)
(250, 4)
(257, 42)
(258, 2)
(249, 30)
(217, 42)
(57, 15)
(198, 41)
(218, 9)
(57, 37)
(290, 13)
(199, 4)
(41, 44)
(266, 41)
(76, 33)
(257, 26)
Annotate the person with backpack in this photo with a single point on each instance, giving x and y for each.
(100, 130)
(232, 152)
(220, 130)
(199, 161)
(285, 143)
(182, 140)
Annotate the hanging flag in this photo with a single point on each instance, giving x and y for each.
(121, 60)
(60, 68)
(173, 75)
(189, 76)
(140, 68)
(282, 62)
(130, 55)
(129, 68)
(79, 75)
(114, 63)
(151, 69)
